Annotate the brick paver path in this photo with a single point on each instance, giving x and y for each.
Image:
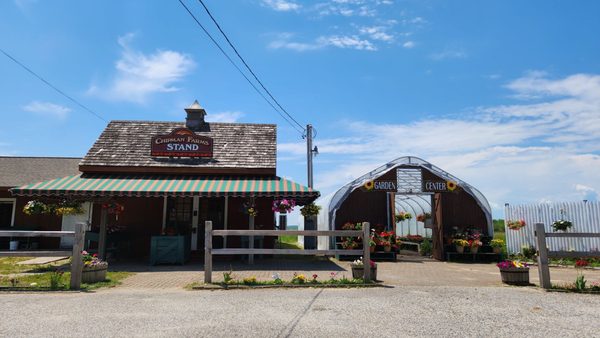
(408, 271)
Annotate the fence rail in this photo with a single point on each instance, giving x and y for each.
(75, 253)
(544, 253)
(585, 217)
(209, 251)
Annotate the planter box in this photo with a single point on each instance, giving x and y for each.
(358, 272)
(515, 276)
(94, 275)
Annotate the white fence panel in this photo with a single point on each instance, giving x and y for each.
(585, 217)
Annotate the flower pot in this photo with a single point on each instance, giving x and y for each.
(474, 249)
(14, 245)
(94, 274)
(497, 250)
(517, 276)
(387, 248)
(460, 249)
(359, 272)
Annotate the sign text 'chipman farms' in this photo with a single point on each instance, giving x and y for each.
(181, 142)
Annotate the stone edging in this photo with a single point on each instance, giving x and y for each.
(288, 286)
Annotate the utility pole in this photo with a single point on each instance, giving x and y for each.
(309, 154)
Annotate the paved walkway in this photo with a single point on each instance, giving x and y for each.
(408, 271)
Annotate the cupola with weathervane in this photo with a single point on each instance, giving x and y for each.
(195, 116)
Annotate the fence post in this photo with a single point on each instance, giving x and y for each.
(542, 259)
(76, 263)
(208, 252)
(366, 252)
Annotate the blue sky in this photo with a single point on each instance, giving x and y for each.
(503, 94)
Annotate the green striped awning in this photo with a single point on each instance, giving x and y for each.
(87, 185)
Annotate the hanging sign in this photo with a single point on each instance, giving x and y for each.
(181, 142)
(439, 186)
(380, 185)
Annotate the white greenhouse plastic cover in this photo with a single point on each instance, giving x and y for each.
(332, 203)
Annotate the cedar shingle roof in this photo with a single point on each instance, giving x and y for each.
(236, 145)
(17, 171)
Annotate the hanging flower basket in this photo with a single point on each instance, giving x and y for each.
(283, 205)
(310, 210)
(35, 207)
(516, 225)
(114, 208)
(561, 225)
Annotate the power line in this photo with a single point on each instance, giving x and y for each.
(301, 131)
(52, 86)
(246, 64)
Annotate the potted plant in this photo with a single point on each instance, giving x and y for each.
(349, 243)
(385, 240)
(68, 208)
(94, 269)
(514, 272)
(358, 269)
(425, 218)
(114, 208)
(460, 244)
(372, 242)
(35, 207)
(402, 216)
(561, 225)
(497, 245)
(516, 225)
(474, 245)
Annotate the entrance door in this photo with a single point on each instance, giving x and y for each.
(211, 209)
(69, 221)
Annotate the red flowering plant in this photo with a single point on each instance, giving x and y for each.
(386, 238)
(581, 263)
(411, 238)
(474, 242)
(114, 208)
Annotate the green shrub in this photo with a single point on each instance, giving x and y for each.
(425, 248)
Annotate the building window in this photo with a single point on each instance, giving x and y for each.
(7, 212)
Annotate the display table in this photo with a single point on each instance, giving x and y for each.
(169, 250)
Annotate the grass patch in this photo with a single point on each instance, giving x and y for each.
(41, 281)
(8, 265)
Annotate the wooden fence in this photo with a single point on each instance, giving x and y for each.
(209, 251)
(544, 253)
(75, 253)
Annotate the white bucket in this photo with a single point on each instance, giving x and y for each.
(14, 245)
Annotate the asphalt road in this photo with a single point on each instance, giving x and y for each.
(394, 312)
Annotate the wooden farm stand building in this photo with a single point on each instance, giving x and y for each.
(412, 185)
(169, 177)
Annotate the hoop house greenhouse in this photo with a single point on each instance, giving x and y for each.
(411, 196)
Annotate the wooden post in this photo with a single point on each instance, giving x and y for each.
(208, 252)
(251, 239)
(367, 253)
(102, 234)
(76, 263)
(542, 259)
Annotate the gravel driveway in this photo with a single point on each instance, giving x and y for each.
(392, 312)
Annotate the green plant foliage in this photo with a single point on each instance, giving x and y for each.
(426, 248)
(580, 283)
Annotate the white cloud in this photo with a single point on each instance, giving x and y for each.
(47, 109)
(281, 5)
(525, 152)
(408, 44)
(449, 54)
(227, 117)
(377, 33)
(340, 41)
(140, 75)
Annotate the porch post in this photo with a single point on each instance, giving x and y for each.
(225, 219)
(208, 252)
(251, 239)
(366, 252)
(102, 234)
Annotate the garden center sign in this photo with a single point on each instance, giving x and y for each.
(182, 142)
(439, 186)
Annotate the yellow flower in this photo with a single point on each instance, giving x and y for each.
(451, 185)
(369, 185)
